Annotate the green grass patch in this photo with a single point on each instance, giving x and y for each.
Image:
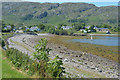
(8, 70)
(0, 63)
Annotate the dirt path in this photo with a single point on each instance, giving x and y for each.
(78, 64)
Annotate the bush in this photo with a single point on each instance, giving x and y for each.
(40, 64)
(2, 42)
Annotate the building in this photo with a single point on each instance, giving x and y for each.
(27, 28)
(19, 31)
(20, 28)
(55, 27)
(7, 27)
(82, 29)
(95, 27)
(87, 27)
(66, 27)
(34, 28)
(102, 29)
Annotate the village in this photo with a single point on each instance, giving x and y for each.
(85, 29)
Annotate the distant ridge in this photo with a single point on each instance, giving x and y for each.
(55, 13)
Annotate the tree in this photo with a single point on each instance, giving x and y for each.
(63, 32)
(77, 27)
(41, 50)
(12, 27)
(46, 66)
(54, 67)
(106, 26)
(41, 26)
(92, 27)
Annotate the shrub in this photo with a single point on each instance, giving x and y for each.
(40, 64)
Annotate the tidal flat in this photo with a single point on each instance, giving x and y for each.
(79, 59)
(109, 52)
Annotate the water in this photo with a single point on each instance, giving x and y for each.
(100, 40)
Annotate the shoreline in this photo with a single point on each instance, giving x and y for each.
(105, 34)
(80, 62)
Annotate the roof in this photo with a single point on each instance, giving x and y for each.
(87, 27)
(102, 28)
(34, 28)
(8, 26)
(66, 27)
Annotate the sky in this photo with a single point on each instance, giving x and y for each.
(98, 3)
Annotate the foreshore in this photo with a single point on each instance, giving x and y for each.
(104, 34)
(78, 64)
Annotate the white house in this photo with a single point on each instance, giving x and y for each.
(34, 28)
(7, 27)
(19, 31)
(66, 27)
(82, 29)
(87, 27)
(20, 27)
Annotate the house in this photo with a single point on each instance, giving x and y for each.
(66, 27)
(82, 29)
(34, 28)
(87, 27)
(102, 29)
(19, 31)
(55, 27)
(27, 28)
(85, 31)
(20, 28)
(7, 27)
(108, 32)
(95, 27)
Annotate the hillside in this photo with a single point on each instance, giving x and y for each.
(31, 13)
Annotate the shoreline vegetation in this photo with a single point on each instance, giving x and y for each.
(38, 65)
(8, 69)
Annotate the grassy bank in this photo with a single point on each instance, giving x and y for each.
(8, 70)
(0, 63)
(109, 52)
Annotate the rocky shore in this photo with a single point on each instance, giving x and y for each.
(77, 64)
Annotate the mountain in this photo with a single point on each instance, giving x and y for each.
(31, 13)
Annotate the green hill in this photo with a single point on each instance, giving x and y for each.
(31, 13)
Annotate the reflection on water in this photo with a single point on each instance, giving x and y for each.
(100, 40)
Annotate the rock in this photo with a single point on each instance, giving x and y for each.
(100, 71)
(65, 60)
(88, 66)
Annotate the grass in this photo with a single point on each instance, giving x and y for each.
(109, 52)
(0, 63)
(8, 70)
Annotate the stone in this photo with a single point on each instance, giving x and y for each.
(100, 71)
(65, 60)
